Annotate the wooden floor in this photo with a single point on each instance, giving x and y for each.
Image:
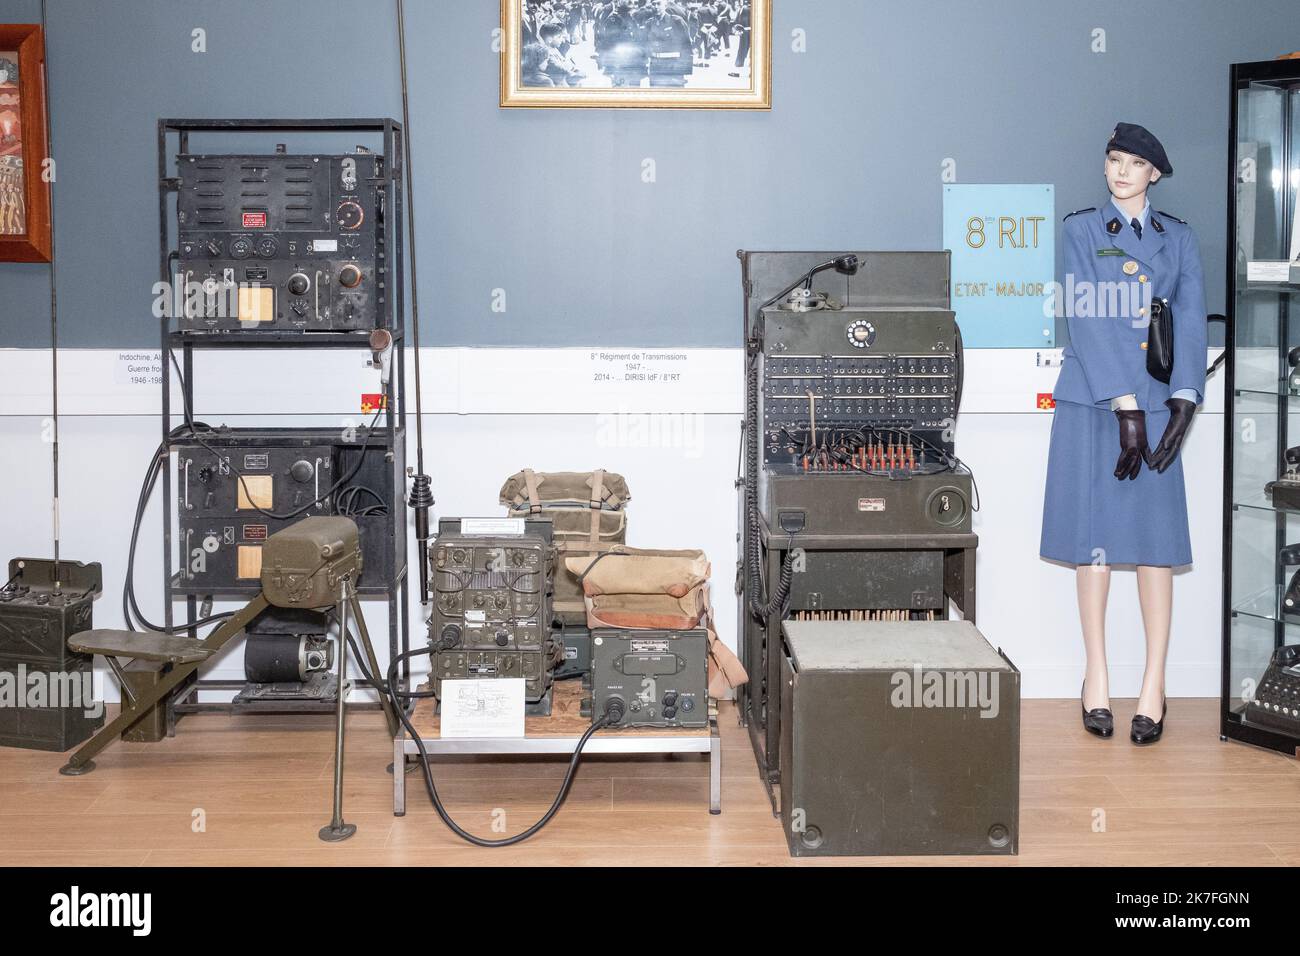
(228, 791)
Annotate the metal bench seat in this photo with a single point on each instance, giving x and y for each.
(140, 646)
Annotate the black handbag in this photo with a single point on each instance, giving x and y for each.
(1160, 341)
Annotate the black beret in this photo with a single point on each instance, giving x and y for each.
(1131, 138)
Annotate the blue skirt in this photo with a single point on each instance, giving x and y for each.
(1091, 517)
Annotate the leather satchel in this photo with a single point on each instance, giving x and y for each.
(1160, 341)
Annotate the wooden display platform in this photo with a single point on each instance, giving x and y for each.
(557, 734)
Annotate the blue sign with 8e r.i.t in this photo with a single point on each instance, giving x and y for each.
(1003, 244)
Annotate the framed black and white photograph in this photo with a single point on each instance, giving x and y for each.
(689, 54)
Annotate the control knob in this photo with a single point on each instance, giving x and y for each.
(350, 215)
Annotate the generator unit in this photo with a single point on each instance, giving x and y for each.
(288, 660)
(898, 739)
(855, 507)
(238, 486)
(51, 705)
(279, 242)
(650, 678)
(492, 588)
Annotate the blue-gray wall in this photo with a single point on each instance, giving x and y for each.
(549, 205)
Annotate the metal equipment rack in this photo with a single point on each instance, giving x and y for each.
(888, 280)
(396, 592)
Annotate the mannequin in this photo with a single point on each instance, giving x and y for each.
(1100, 511)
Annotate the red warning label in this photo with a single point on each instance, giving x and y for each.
(254, 220)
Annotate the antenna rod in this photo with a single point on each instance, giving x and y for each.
(421, 499)
(54, 324)
(409, 185)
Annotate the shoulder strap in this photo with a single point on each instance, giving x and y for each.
(597, 496)
(534, 501)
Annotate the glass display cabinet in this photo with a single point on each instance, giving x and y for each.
(1261, 560)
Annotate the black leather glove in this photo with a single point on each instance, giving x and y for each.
(1180, 419)
(1133, 447)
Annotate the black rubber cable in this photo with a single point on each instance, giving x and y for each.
(398, 695)
(759, 605)
(129, 603)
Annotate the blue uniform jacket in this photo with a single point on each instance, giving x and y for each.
(1110, 277)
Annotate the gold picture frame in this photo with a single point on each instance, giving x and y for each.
(639, 60)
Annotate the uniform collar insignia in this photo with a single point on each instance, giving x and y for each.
(1114, 226)
(1157, 225)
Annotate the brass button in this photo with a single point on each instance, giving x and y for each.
(1142, 311)
(1143, 345)
(1142, 278)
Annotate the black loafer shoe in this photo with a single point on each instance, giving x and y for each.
(1099, 720)
(1147, 731)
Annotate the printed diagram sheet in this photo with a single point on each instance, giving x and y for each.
(483, 708)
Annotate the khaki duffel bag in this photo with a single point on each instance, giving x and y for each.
(587, 511)
(626, 570)
(643, 587)
(660, 611)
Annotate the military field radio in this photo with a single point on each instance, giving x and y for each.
(42, 604)
(855, 506)
(282, 242)
(492, 581)
(46, 688)
(650, 678)
(237, 486)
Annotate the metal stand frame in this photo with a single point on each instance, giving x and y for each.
(337, 830)
(395, 592)
(666, 742)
